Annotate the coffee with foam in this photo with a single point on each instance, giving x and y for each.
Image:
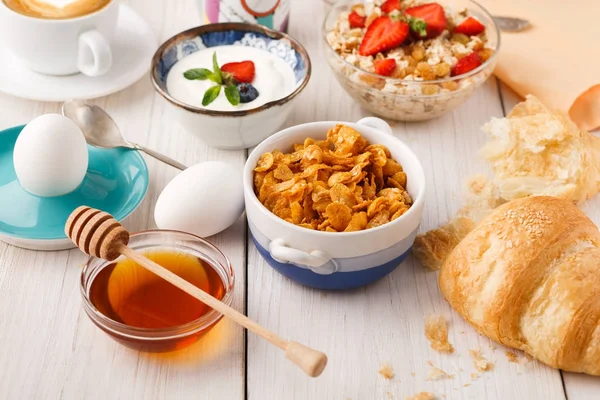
(55, 9)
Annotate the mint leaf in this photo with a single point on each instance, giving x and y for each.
(232, 94)
(216, 70)
(418, 25)
(213, 77)
(197, 73)
(210, 95)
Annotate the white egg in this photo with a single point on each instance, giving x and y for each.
(203, 200)
(50, 156)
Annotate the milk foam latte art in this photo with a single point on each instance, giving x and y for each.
(55, 9)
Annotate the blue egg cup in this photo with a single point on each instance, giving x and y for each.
(116, 182)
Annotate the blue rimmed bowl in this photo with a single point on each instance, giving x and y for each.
(231, 129)
(116, 182)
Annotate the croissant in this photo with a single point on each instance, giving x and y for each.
(528, 277)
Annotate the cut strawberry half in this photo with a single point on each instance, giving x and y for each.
(356, 21)
(470, 27)
(385, 67)
(390, 5)
(383, 34)
(434, 17)
(242, 72)
(466, 64)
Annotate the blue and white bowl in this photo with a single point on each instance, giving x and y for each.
(335, 260)
(231, 129)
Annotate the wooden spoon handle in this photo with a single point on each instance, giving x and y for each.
(311, 361)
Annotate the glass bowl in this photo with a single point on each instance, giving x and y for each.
(404, 100)
(160, 339)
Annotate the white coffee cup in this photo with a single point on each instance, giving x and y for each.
(61, 46)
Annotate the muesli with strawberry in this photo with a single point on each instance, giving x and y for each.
(410, 40)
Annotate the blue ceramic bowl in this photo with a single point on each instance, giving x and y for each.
(116, 182)
(231, 129)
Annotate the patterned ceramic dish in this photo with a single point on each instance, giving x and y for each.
(116, 182)
(335, 260)
(231, 129)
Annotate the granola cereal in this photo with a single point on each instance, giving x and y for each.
(402, 64)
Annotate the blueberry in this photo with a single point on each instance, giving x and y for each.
(247, 92)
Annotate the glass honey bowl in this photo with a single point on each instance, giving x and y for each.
(144, 312)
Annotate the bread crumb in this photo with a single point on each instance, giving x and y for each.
(466, 384)
(480, 363)
(512, 357)
(474, 375)
(386, 371)
(421, 396)
(412, 374)
(435, 373)
(388, 394)
(436, 332)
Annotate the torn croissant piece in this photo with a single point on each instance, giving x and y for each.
(528, 277)
(432, 248)
(537, 151)
(533, 151)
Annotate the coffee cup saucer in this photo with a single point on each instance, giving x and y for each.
(133, 48)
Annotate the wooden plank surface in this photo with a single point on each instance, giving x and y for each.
(383, 323)
(49, 349)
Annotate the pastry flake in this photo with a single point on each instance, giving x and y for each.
(436, 373)
(421, 396)
(436, 332)
(386, 371)
(480, 362)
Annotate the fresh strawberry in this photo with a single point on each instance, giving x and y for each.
(470, 27)
(385, 66)
(383, 34)
(242, 72)
(466, 64)
(356, 21)
(433, 16)
(390, 5)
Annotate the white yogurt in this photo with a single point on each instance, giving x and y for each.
(274, 79)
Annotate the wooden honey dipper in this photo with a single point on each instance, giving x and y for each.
(98, 234)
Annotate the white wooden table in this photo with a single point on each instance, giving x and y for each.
(50, 350)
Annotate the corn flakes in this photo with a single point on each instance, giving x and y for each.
(341, 184)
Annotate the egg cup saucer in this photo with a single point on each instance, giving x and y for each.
(116, 182)
(133, 48)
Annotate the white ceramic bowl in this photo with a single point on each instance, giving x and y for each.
(231, 129)
(335, 260)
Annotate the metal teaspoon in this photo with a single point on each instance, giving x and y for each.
(100, 130)
(510, 24)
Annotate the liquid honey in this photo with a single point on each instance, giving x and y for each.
(127, 293)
